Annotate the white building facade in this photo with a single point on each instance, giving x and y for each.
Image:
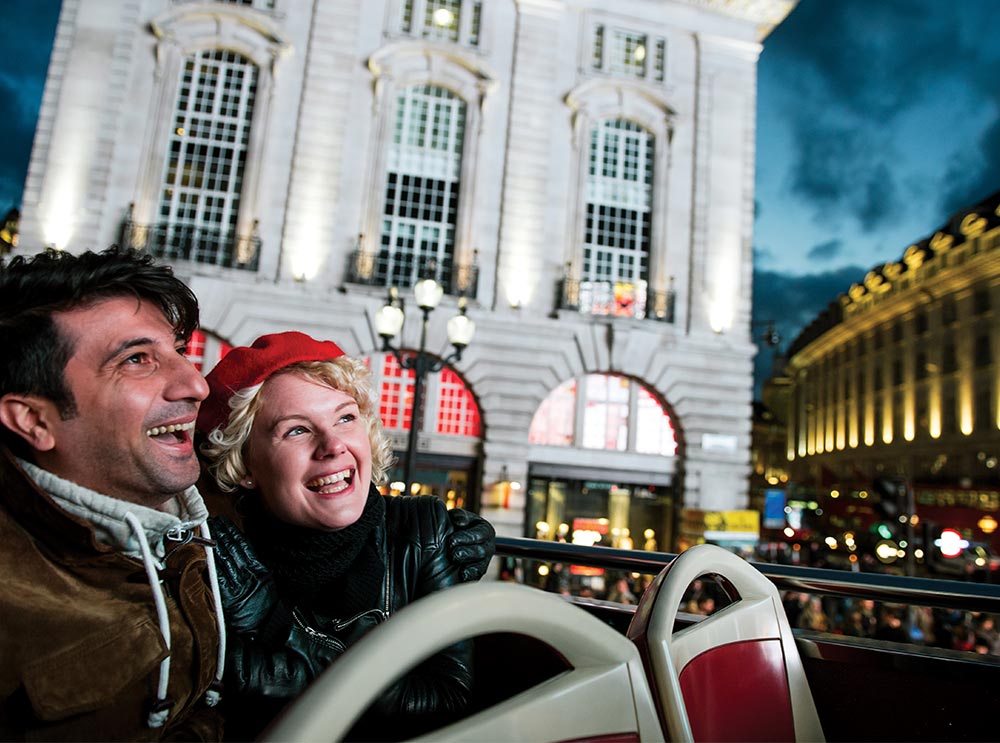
(580, 172)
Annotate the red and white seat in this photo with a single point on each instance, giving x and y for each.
(734, 676)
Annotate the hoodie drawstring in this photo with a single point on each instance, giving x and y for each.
(213, 695)
(161, 708)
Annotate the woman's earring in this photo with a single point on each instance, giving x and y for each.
(248, 483)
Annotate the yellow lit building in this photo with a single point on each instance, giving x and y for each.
(899, 376)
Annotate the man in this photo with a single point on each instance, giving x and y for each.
(109, 615)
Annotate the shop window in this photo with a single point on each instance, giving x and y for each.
(553, 421)
(395, 395)
(448, 407)
(205, 349)
(458, 414)
(654, 429)
(605, 416)
(613, 410)
(195, 350)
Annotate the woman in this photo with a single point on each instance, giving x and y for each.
(292, 424)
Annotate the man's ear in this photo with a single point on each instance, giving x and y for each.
(28, 416)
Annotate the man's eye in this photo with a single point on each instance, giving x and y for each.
(137, 358)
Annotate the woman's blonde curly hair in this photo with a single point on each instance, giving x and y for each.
(225, 446)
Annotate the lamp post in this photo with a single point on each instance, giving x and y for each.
(388, 323)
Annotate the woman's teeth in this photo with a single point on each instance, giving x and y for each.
(331, 483)
(178, 428)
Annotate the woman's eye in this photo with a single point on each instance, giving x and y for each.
(347, 418)
(295, 431)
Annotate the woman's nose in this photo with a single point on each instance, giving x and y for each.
(330, 445)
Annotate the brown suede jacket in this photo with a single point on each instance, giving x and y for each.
(80, 646)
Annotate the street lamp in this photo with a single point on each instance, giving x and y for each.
(388, 323)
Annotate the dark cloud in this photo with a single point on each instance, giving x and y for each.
(790, 303)
(872, 58)
(843, 73)
(838, 168)
(826, 251)
(26, 38)
(975, 174)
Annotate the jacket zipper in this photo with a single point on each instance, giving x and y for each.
(339, 624)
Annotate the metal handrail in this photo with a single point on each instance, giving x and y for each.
(896, 589)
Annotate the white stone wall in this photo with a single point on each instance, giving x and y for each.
(328, 71)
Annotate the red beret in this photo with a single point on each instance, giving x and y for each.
(249, 365)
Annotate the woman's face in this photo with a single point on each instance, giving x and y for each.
(308, 454)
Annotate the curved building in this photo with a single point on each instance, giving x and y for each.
(898, 379)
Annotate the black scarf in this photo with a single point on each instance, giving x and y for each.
(336, 572)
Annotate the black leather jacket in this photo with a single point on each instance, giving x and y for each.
(288, 646)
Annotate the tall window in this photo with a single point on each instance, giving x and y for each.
(618, 220)
(420, 210)
(206, 157)
(612, 410)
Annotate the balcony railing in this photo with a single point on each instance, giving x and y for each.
(372, 269)
(182, 242)
(617, 299)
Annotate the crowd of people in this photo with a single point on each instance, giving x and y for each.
(920, 625)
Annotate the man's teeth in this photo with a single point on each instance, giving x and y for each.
(321, 482)
(160, 430)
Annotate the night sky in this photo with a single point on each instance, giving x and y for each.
(877, 119)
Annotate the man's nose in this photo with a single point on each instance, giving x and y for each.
(186, 382)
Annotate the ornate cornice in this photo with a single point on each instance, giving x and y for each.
(767, 14)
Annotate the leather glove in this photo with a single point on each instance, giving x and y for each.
(249, 594)
(471, 545)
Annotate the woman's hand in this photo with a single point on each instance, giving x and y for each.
(471, 545)
(247, 586)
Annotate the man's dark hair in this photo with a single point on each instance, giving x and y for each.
(33, 288)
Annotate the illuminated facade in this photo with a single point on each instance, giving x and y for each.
(582, 173)
(900, 377)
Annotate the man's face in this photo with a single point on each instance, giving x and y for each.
(136, 398)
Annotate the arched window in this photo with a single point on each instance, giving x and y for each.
(206, 157)
(204, 350)
(420, 209)
(448, 406)
(618, 219)
(604, 411)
